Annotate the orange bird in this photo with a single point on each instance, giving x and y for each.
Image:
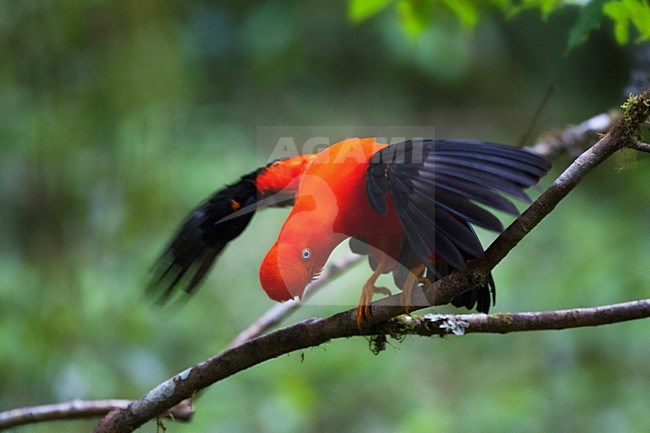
(409, 206)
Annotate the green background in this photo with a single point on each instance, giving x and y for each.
(116, 118)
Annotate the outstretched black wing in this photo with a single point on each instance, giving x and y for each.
(208, 229)
(435, 185)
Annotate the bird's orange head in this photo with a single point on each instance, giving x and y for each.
(288, 268)
(305, 243)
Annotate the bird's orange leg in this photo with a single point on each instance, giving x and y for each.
(364, 310)
(414, 277)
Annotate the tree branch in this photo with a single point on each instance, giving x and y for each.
(459, 324)
(316, 331)
(79, 409)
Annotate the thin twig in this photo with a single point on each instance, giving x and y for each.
(279, 312)
(316, 331)
(538, 113)
(641, 147)
(573, 139)
(79, 409)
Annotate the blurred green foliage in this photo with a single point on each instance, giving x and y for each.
(118, 117)
(417, 15)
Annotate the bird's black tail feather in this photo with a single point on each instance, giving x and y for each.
(203, 236)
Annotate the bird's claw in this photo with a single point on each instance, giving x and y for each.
(413, 278)
(364, 309)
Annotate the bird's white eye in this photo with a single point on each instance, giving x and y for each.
(306, 254)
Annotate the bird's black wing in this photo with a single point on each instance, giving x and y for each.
(435, 186)
(207, 230)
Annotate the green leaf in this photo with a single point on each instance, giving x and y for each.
(549, 6)
(640, 17)
(546, 7)
(465, 11)
(361, 10)
(589, 19)
(415, 16)
(624, 12)
(618, 13)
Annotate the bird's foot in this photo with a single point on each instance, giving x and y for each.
(364, 309)
(413, 278)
